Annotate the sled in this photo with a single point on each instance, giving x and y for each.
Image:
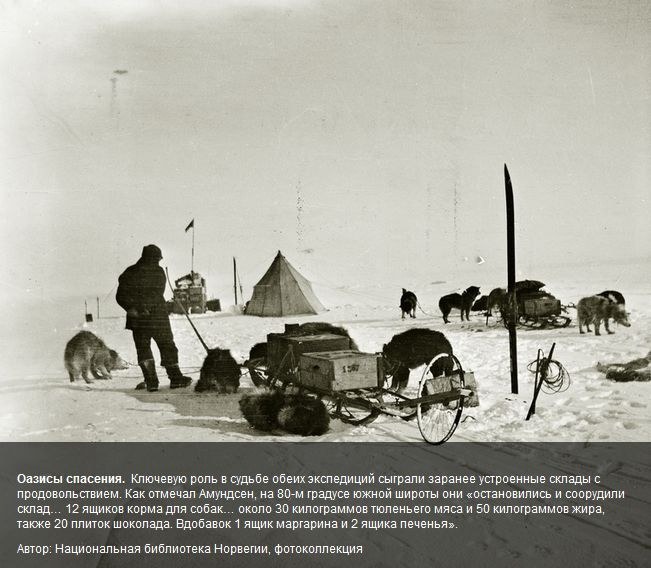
(536, 309)
(354, 386)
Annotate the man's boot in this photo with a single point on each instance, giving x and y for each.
(151, 378)
(177, 379)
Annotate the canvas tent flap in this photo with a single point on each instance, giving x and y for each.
(283, 291)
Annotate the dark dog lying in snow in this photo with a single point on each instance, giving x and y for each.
(408, 303)
(294, 413)
(635, 370)
(413, 348)
(220, 372)
(461, 302)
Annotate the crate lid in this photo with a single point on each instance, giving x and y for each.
(320, 337)
(341, 354)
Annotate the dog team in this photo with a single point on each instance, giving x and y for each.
(140, 294)
(595, 310)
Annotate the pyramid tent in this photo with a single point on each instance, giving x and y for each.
(283, 291)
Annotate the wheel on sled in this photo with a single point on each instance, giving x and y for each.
(438, 418)
(258, 372)
(262, 376)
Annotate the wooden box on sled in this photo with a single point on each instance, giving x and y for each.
(446, 384)
(542, 307)
(284, 351)
(340, 370)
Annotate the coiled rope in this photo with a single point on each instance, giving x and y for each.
(550, 376)
(556, 379)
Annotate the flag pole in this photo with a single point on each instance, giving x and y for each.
(235, 279)
(192, 265)
(191, 226)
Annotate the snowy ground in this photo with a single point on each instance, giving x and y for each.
(38, 403)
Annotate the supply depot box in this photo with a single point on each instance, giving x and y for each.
(340, 370)
(290, 347)
(446, 384)
(541, 307)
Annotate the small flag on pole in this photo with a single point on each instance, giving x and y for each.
(190, 225)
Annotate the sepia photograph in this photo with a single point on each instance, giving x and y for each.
(189, 186)
(402, 241)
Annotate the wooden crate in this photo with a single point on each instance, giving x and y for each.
(446, 384)
(340, 370)
(279, 344)
(542, 307)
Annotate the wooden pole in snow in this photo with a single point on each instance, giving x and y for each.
(512, 300)
(542, 368)
(235, 279)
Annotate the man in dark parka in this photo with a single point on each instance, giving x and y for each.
(140, 293)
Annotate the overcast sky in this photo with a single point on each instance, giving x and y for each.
(364, 139)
